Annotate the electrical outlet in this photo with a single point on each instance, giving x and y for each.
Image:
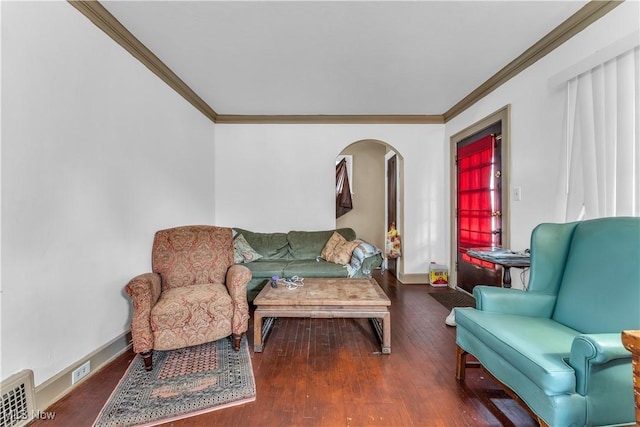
(81, 372)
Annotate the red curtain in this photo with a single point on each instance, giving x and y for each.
(476, 197)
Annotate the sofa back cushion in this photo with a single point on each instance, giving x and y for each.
(194, 254)
(600, 288)
(309, 244)
(270, 245)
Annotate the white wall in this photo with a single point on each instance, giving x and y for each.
(282, 177)
(537, 122)
(97, 154)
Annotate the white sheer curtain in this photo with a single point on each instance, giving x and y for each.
(603, 148)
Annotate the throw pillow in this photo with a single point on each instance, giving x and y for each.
(243, 252)
(338, 249)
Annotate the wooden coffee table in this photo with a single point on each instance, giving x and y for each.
(323, 298)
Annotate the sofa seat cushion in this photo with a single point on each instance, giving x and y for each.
(189, 314)
(537, 347)
(266, 269)
(313, 268)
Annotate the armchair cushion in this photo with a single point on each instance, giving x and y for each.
(537, 347)
(191, 315)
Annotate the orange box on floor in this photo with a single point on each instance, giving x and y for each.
(438, 275)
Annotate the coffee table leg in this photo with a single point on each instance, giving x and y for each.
(386, 334)
(261, 327)
(383, 330)
(257, 332)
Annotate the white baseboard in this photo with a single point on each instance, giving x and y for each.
(413, 279)
(59, 385)
(419, 279)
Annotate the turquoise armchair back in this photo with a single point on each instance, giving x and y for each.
(600, 289)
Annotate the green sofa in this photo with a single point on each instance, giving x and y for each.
(557, 345)
(297, 253)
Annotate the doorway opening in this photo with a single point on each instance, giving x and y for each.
(370, 183)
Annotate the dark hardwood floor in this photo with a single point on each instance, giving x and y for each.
(330, 372)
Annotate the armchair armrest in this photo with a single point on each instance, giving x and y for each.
(236, 280)
(513, 301)
(144, 291)
(589, 350)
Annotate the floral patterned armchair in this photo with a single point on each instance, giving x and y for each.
(194, 294)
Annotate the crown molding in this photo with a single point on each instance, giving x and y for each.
(104, 20)
(584, 17)
(330, 119)
(577, 22)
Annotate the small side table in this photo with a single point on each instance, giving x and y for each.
(631, 341)
(504, 257)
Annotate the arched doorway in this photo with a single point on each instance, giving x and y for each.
(369, 182)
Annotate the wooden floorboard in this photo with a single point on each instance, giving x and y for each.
(331, 372)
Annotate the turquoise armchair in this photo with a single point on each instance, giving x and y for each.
(557, 345)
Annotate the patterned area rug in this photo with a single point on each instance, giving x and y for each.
(183, 383)
(454, 299)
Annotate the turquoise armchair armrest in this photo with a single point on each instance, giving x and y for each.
(588, 350)
(513, 301)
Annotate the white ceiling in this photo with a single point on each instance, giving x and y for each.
(338, 57)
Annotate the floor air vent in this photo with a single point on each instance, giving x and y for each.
(18, 400)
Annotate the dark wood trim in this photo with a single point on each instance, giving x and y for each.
(580, 20)
(392, 205)
(104, 20)
(330, 119)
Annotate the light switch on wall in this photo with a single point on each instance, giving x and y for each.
(517, 194)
